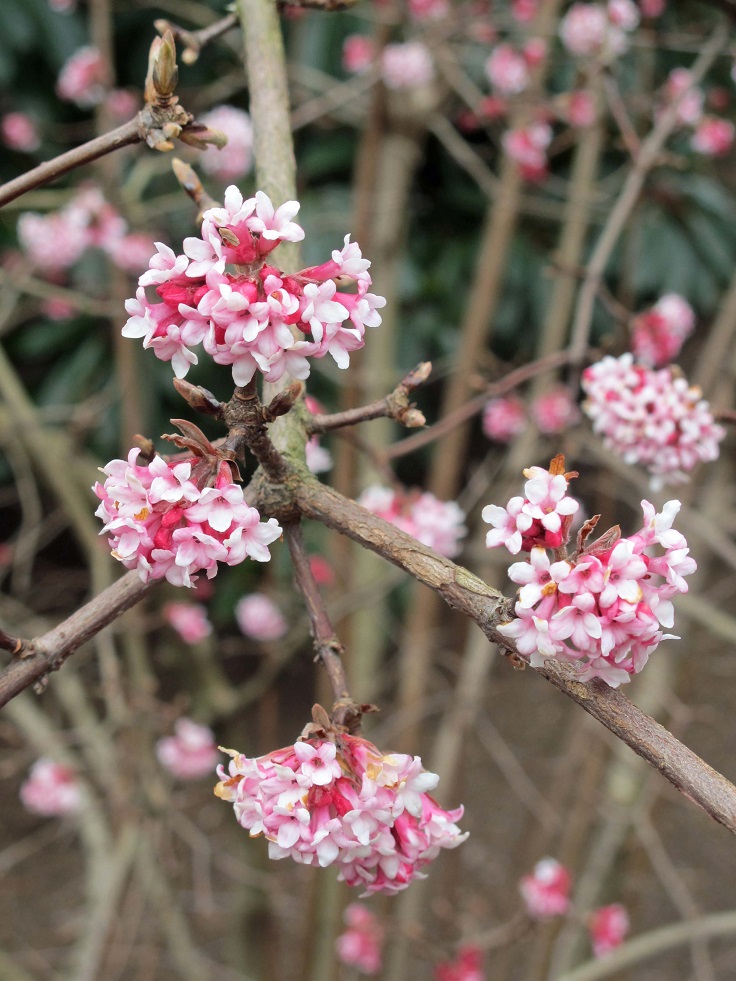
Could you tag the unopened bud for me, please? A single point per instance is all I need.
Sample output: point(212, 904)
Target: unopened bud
point(280, 404)
point(165, 72)
point(413, 419)
point(200, 137)
point(198, 398)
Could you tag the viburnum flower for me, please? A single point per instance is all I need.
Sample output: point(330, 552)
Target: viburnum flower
point(19, 132)
point(358, 52)
point(407, 66)
point(579, 109)
point(713, 137)
point(468, 966)
point(250, 318)
point(555, 411)
point(652, 417)
point(82, 79)
point(658, 334)
point(174, 520)
point(421, 10)
point(333, 798)
point(679, 86)
point(504, 419)
point(546, 891)
point(507, 70)
point(528, 145)
point(189, 620)
point(608, 927)
point(189, 754)
point(51, 790)
point(235, 159)
point(602, 609)
point(524, 10)
point(360, 944)
point(259, 618)
point(591, 29)
point(437, 524)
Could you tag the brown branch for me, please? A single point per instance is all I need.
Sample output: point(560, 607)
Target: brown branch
point(48, 652)
point(194, 41)
point(464, 592)
point(395, 406)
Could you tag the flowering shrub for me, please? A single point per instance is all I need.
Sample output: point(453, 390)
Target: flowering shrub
point(650, 417)
point(333, 798)
point(244, 318)
point(173, 520)
point(601, 609)
point(360, 944)
point(190, 753)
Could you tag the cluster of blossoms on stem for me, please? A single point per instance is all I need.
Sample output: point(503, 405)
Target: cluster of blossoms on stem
point(56, 241)
point(248, 318)
point(235, 159)
point(602, 609)
point(333, 798)
point(608, 927)
point(553, 411)
point(259, 618)
point(51, 790)
point(658, 334)
point(652, 417)
point(360, 944)
point(527, 145)
point(437, 524)
point(19, 132)
point(546, 890)
point(189, 620)
point(592, 29)
point(467, 966)
point(407, 66)
point(174, 520)
point(190, 753)
point(712, 136)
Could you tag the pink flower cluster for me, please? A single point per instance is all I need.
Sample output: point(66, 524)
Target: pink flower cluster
point(358, 52)
point(528, 145)
point(248, 318)
point(360, 945)
point(51, 790)
point(652, 417)
point(712, 136)
point(190, 753)
point(504, 419)
point(467, 966)
point(608, 927)
point(555, 411)
point(546, 890)
point(55, 241)
point(589, 29)
point(165, 521)
point(436, 524)
point(336, 799)
point(407, 66)
point(602, 609)
point(235, 159)
point(259, 618)
point(19, 132)
point(189, 620)
point(83, 78)
point(507, 70)
point(658, 334)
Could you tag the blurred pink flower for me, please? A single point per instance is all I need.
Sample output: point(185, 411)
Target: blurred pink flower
point(190, 753)
point(546, 892)
point(259, 618)
point(82, 78)
point(360, 944)
point(608, 926)
point(235, 159)
point(658, 334)
point(507, 70)
point(713, 137)
point(189, 620)
point(504, 418)
point(122, 104)
point(468, 966)
point(527, 145)
point(19, 132)
point(555, 410)
point(51, 790)
point(407, 66)
point(321, 570)
point(357, 54)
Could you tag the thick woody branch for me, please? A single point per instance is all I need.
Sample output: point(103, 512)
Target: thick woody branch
point(395, 405)
point(47, 653)
point(464, 592)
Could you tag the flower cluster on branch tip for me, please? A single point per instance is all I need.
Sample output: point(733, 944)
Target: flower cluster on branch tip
point(245, 318)
point(174, 520)
point(334, 798)
point(601, 609)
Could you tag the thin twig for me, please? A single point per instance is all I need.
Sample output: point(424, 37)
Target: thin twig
point(194, 41)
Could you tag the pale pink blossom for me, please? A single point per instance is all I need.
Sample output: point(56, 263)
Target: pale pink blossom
point(130, 252)
point(51, 790)
point(467, 966)
point(235, 159)
point(528, 147)
point(421, 10)
point(542, 517)
point(319, 458)
point(608, 927)
point(407, 66)
point(437, 524)
point(580, 109)
point(359, 808)
point(652, 417)
point(190, 753)
point(19, 132)
point(189, 620)
point(358, 52)
point(122, 104)
point(524, 10)
point(546, 891)
point(83, 78)
point(624, 14)
point(507, 70)
point(658, 334)
point(713, 137)
point(588, 29)
point(359, 945)
point(534, 51)
point(504, 419)
point(55, 308)
point(260, 618)
point(679, 86)
point(555, 411)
